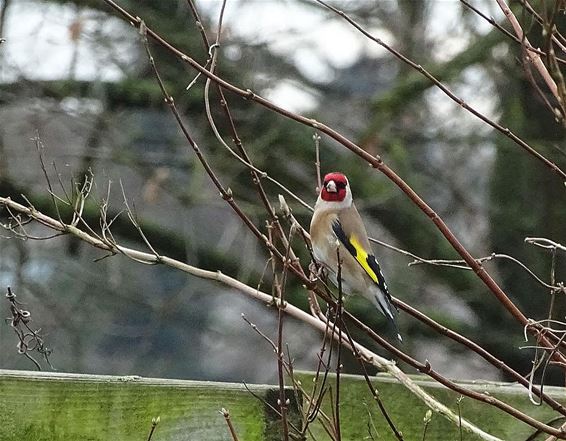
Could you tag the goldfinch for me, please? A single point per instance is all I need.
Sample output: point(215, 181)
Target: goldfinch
point(336, 222)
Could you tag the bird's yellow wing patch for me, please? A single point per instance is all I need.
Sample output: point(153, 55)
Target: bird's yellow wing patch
point(362, 257)
point(365, 260)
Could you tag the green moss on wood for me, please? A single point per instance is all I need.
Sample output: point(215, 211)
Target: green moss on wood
point(57, 407)
point(358, 409)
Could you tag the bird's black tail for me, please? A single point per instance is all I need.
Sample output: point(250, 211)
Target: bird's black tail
point(382, 303)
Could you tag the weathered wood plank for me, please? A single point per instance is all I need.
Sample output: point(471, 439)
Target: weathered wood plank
point(71, 407)
point(56, 407)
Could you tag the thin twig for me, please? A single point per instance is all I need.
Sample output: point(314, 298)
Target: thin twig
point(154, 423)
point(426, 420)
point(228, 420)
point(339, 307)
point(40, 148)
point(459, 403)
point(314, 405)
point(461, 264)
point(375, 393)
point(283, 401)
point(316, 138)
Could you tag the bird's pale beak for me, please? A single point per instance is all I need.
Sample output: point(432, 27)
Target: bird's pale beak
point(331, 187)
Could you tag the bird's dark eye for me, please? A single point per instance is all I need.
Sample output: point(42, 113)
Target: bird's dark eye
point(341, 185)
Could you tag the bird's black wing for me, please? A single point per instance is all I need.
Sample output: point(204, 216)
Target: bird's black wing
point(364, 257)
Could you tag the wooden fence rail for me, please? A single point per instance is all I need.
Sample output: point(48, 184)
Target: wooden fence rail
point(73, 407)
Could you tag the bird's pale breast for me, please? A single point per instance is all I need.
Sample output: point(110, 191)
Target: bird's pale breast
point(325, 244)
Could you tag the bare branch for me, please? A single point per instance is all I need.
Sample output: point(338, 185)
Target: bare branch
point(321, 325)
point(376, 162)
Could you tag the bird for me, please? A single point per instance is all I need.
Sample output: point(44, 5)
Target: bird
point(336, 223)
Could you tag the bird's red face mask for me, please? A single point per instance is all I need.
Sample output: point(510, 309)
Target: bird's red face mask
point(334, 187)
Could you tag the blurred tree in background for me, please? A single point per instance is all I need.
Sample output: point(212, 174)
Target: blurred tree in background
point(79, 77)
